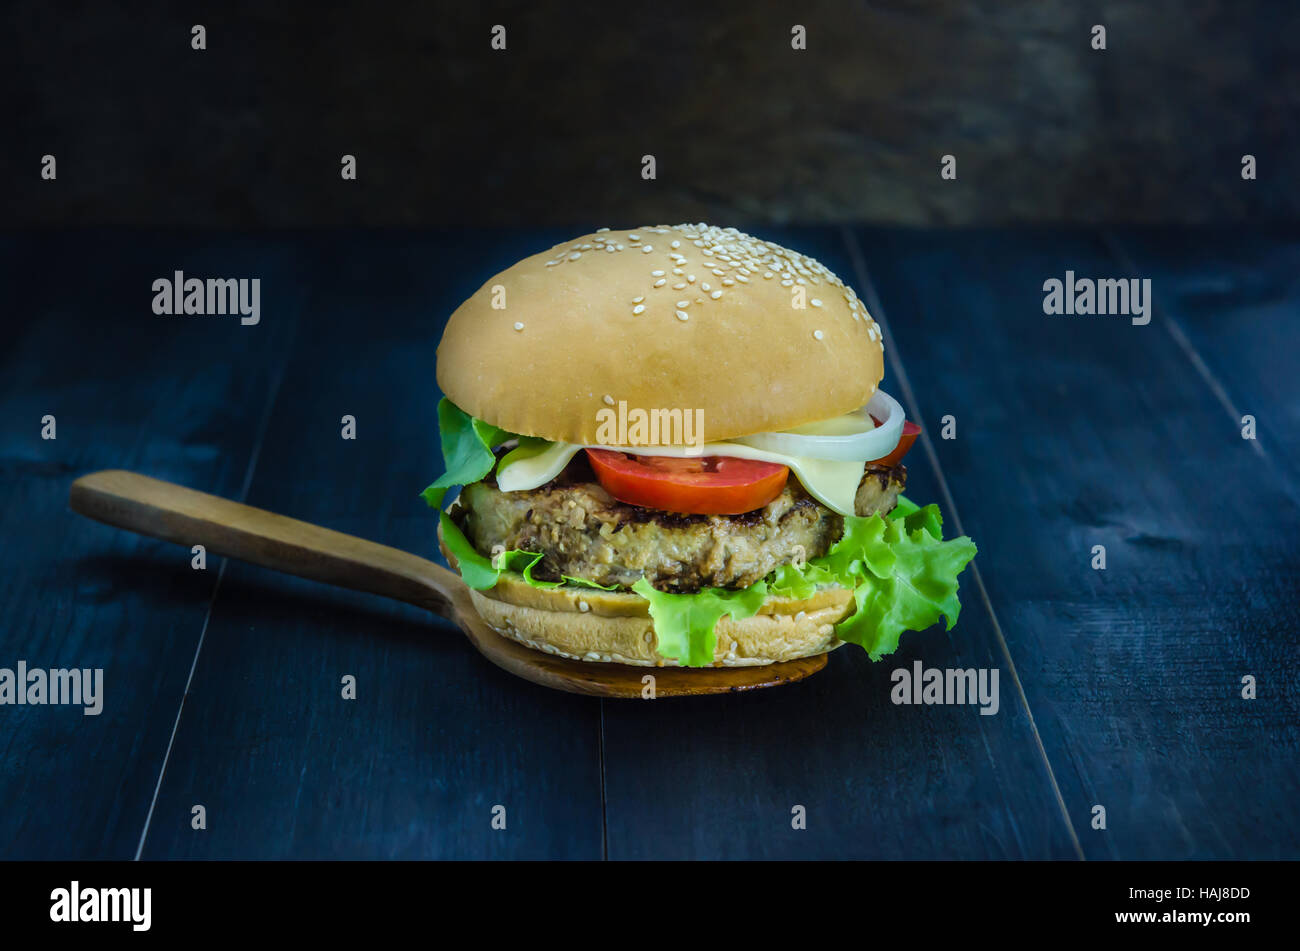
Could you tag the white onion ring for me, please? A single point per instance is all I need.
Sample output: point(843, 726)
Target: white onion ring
point(863, 446)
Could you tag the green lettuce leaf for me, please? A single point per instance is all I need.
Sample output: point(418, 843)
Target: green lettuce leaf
point(903, 508)
point(802, 581)
point(527, 573)
point(790, 581)
point(907, 579)
point(584, 583)
point(902, 573)
point(467, 445)
point(914, 517)
point(684, 622)
point(478, 572)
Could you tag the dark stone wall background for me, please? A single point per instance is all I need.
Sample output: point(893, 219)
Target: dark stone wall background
point(248, 134)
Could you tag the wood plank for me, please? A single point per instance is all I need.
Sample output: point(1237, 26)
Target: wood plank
point(1079, 431)
point(437, 736)
point(1232, 297)
point(719, 777)
point(177, 396)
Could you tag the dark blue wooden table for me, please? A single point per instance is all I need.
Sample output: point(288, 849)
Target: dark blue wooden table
point(1120, 688)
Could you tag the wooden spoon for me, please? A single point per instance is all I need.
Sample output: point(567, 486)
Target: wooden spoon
point(177, 514)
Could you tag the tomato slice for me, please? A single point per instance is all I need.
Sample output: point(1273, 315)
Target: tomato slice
point(701, 485)
point(910, 432)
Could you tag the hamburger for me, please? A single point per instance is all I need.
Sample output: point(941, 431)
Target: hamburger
point(671, 448)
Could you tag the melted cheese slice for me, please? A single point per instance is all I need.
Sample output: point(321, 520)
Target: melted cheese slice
point(829, 481)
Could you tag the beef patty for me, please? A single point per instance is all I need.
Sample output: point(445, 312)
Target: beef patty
point(584, 532)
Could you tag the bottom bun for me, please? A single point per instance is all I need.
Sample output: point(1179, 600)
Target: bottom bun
point(589, 624)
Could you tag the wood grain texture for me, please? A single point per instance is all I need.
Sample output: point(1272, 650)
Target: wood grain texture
point(174, 513)
point(744, 128)
point(437, 736)
point(718, 777)
point(181, 397)
point(1079, 431)
point(1072, 432)
point(1233, 297)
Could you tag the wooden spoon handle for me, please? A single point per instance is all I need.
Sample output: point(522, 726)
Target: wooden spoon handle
point(177, 514)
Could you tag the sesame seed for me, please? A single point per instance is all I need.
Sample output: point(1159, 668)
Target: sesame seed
point(816, 302)
point(609, 400)
point(584, 607)
point(638, 309)
point(682, 315)
point(601, 230)
point(519, 325)
point(817, 334)
point(716, 294)
point(683, 303)
point(647, 248)
point(638, 299)
point(732, 257)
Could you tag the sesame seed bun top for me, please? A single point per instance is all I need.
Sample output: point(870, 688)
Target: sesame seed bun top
point(666, 317)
